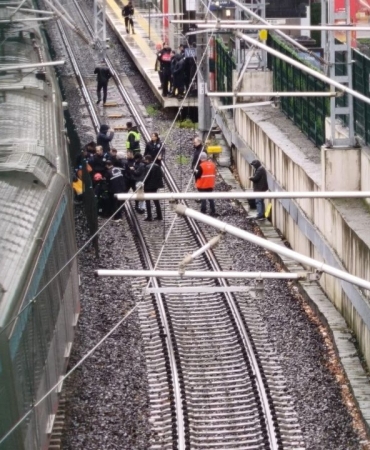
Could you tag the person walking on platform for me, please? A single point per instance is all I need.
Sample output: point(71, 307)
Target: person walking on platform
point(133, 138)
point(128, 14)
point(205, 180)
point(198, 149)
point(153, 182)
point(104, 137)
point(116, 185)
point(155, 149)
point(103, 74)
point(260, 184)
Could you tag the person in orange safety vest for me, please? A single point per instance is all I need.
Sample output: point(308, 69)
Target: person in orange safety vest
point(205, 180)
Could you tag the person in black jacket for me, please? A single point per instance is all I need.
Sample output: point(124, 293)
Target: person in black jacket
point(103, 74)
point(164, 57)
point(98, 161)
point(155, 149)
point(152, 182)
point(178, 69)
point(260, 184)
point(138, 174)
point(116, 185)
point(128, 14)
point(104, 137)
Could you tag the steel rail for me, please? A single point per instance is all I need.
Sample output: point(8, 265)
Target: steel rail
point(233, 308)
point(80, 80)
point(270, 426)
point(175, 377)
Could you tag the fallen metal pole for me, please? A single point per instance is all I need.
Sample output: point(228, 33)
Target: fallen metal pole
point(190, 258)
point(31, 66)
point(199, 274)
point(273, 94)
point(231, 195)
point(305, 68)
point(271, 246)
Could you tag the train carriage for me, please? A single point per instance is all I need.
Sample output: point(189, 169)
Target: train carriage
point(38, 305)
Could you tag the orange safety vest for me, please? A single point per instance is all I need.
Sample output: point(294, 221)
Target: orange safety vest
point(208, 177)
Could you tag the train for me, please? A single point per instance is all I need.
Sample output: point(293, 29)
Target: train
point(39, 283)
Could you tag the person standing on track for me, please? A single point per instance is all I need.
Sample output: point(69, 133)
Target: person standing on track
point(205, 180)
point(104, 137)
point(138, 174)
point(128, 14)
point(116, 185)
point(260, 184)
point(133, 138)
point(154, 148)
point(103, 74)
point(198, 149)
point(153, 182)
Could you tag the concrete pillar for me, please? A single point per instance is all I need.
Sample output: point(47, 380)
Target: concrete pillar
point(341, 169)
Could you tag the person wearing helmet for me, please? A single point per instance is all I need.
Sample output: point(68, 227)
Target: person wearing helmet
point(102, 195)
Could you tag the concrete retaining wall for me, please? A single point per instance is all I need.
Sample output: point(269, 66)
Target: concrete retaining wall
point(327, 230)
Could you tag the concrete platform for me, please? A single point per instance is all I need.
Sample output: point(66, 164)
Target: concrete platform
point(142, 49)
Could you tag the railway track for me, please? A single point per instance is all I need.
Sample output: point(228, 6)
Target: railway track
point(214, 381)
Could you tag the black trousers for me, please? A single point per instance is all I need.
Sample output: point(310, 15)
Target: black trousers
point(129, 22)
point(101, 86)
point(131, 184)
point(115, 203)
point(166, 78)
point(156, 204)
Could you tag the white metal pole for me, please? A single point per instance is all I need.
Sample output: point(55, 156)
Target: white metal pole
point(281, 33)
point(242, 25)
point(189, 258)
point(33, 11)
point(241, 195)
point(273, 94)
point(198, 274)
point(30, 66)
point(306, 69)
point(226, 228)
point(33, 19)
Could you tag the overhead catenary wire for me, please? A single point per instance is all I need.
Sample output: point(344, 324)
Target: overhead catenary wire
point(88, 242)
point(90, 352)
point(62, 379)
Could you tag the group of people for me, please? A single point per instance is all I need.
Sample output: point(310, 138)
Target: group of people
point(205, 179)
point(176, 70)
point(114, 172)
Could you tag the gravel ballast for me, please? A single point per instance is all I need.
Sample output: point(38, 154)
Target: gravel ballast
point(107, 401)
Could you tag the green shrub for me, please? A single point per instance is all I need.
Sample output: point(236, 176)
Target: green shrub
point(187, 123)
point(152, 110)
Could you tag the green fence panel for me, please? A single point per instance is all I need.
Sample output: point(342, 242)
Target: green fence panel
point(309, 113)
point(225, 64)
